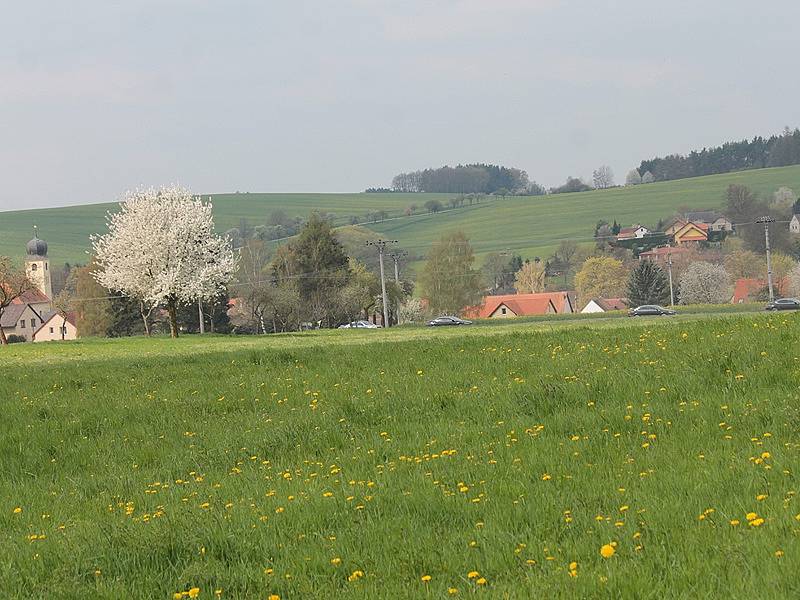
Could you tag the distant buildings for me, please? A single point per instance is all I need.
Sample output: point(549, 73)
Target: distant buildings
point(691, 233)
point(599, 305)
point(26, 315)
point(523, 305)
point(631, 233)
point(661, 255)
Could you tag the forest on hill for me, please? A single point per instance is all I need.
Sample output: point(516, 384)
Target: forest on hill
point(776, 151)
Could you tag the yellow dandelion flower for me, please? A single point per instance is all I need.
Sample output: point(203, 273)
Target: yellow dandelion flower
point(481, 581)
point(425, 578)
point(607, 551)
point(336, 561)
point(750, 516)
point(194, 592)
point(177, 595)
point(17, 510)
point(452, 591)
point(472, 574)
point(761, 497)
point(274, 597)
point(757, 522)
point(734, 522)
point(546, 477)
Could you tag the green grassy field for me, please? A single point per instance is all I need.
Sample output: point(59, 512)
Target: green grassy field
point(531, 226)
point(495, 461)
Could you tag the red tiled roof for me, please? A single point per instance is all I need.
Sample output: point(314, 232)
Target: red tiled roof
point(522, 304)
point(528, 306)
point(745, 288)
point(32, 296)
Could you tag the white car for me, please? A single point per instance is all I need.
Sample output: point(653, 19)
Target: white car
point(359, 325)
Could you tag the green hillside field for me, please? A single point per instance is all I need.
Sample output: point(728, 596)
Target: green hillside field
point(531, 226)
point(612, 458)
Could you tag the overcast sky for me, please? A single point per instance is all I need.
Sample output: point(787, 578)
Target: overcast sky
point(97, 97)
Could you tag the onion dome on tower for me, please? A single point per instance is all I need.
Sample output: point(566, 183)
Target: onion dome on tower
point(37, 247)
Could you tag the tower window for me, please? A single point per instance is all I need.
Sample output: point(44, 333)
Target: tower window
point(34, 266)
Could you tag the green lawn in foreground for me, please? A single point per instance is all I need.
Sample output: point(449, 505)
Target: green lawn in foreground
point(287, 465)
point(531, 226)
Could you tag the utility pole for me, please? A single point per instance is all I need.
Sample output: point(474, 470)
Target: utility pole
point(766, 221)
point(200, 314)
point(671, 293)
point(396, 256)
point(381, 245)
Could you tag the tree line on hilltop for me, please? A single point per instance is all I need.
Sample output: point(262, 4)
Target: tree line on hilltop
point(466, 179)
point(758, 153)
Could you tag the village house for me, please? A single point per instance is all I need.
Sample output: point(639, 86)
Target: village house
point(523, 305)
point(20, 319)
point(631, 233)
point(24, 316)
point(691, 233)
point(674, 226)
point(748, 290)
point(794, 224)
point(661, 255)
point(600, 305)
point(55, 327)
point(714, 220)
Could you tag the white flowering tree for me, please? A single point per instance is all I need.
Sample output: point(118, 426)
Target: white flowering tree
point(705, 283)
point(161, 249)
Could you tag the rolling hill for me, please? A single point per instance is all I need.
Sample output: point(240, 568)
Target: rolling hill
point(531, 226)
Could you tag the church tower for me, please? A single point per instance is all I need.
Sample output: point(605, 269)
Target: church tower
point(37, 265)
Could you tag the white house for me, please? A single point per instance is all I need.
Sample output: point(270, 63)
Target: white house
point(635, 232)
point(54, 327)
point(794, 224)
point(20, 319)
point(599, 305)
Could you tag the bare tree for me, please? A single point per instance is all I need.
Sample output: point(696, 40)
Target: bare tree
point(63, 304)
point(603, 177)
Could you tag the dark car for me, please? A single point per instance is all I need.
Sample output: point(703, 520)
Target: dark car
point(784, 304)
point(440, 321)
point(650, 310)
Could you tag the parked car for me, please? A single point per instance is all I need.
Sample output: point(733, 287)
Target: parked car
point(784, 304)
point(447, 320)
point(650, 310)
point(361, 324)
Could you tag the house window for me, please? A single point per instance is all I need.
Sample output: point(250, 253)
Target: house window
point(33, 323)
point(51, 330)
point(34, 266)
point(22, 324)
point(503, 310)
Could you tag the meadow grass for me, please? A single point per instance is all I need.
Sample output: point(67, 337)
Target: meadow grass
point(531, 226)
point(495, 460)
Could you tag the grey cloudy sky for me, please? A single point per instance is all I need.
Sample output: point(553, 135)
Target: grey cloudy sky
point(97, 97)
